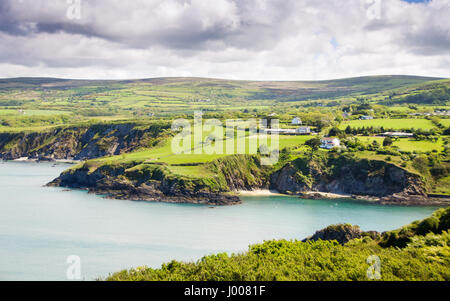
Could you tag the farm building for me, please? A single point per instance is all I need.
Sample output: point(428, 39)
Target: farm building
point(330, 143)
point(398, 134)
point(303, 130)
point(366, 118)
point(296, 121)
point(346, 115)
point(280, 131)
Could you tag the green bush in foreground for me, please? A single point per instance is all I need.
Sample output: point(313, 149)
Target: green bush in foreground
point(424, 257)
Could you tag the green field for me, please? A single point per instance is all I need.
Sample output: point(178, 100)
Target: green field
point(31, 112)
point(370, 140)
point(419, 146)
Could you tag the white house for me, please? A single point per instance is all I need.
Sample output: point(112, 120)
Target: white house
point(303, 130)
point(366, 118)
point(330, 143)
point(296, 121)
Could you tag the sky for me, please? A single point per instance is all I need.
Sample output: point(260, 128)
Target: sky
point(233, 39)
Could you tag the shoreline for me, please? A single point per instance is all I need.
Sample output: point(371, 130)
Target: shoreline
point(325, 195)
point(27, 159)
point(143, 194)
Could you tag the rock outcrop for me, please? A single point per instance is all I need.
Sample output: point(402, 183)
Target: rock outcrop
point(342, 233)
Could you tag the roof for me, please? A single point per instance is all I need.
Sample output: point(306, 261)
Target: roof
point(398, 133)
point(329, 139)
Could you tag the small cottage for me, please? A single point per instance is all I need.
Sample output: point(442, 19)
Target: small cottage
point(296, 121)
point(329, 143)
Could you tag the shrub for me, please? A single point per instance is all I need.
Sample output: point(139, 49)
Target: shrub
point(388, 141)
point(428, 225)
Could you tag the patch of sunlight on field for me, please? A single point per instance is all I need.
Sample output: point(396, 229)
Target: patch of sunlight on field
point(190, 171)
point(374, 156)
point(411, 145)
point(370, 140)
point(7, 129)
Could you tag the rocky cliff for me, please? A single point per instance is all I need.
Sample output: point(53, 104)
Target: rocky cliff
point(348, 175)
point(80, 142)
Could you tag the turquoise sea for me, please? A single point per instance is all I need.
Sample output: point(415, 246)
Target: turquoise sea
point(40, 226)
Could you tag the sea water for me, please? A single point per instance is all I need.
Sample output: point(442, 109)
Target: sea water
point(41, 227)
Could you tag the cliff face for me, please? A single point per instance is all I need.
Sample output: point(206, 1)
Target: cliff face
point(241, 172)
point(79, 143)
point(346, 175)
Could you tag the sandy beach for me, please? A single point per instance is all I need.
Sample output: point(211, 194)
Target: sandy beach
point(23, 159)
point(259, 192)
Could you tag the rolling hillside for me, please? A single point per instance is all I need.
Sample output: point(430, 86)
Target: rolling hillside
point(49, 101)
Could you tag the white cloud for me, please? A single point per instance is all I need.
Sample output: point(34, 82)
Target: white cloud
point(255, 39)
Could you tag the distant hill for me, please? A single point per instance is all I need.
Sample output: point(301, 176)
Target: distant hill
point(184, 95)
point(281, 90)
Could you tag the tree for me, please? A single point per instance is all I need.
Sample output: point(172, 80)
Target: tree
point(447, 131)
point(375, 145)
point(314, 143)
point(335, 131)
point(348, 130)
point(387, 141)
